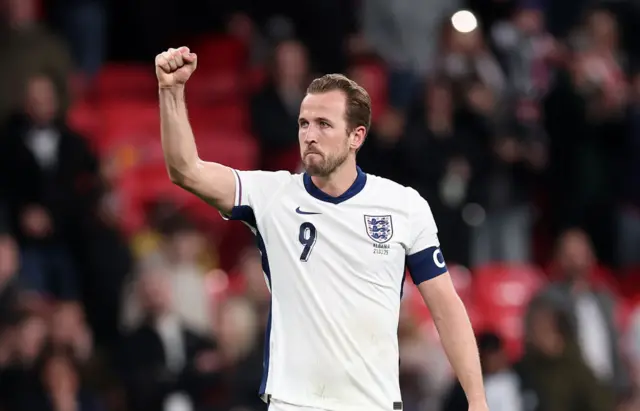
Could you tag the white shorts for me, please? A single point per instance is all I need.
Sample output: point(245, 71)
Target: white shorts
point(275, 405)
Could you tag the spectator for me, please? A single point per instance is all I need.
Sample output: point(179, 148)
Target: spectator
point(528, 53)
point(243, 28)
point(241, 350)
point(21, 374)
point(424, 370)
point(274, 110)
point(29, 49)
point(162, 362)
point(60, 387)
point(178, 259)
point(506, 166)
point(47, 171)
point(8, 271)
point(70, 334)
point(526, 49)
point(466, 58)
point(446, 151)
point(553, 374)
point(249, 282)
point(600, 65)
point(406, 35)
point(633, 348)
point(628, 226)
point(502, 383)
point(584, 110)
point(590, 310)
point(105, 260)
point(383, 153)
point(83, 24)
point(8, 250)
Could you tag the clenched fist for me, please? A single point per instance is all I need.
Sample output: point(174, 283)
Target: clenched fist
point(175, 66)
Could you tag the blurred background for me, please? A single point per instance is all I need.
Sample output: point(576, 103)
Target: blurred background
point(518, 120)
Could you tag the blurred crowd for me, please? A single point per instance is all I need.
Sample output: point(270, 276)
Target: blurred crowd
point(522, 132)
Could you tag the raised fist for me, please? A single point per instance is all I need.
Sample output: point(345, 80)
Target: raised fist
point(175, 66)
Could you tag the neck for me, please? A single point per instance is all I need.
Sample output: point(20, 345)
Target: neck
point(580, 285)
point(338, 182)
point(160, 315)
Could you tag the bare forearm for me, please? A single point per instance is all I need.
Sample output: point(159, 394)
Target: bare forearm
point(460, 346)
point(212, 182)
point(178, 143)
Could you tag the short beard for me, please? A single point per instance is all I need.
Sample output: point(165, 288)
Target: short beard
point(327, 166)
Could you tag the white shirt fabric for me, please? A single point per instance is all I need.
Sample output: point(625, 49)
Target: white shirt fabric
point(593, 337)
point(169, 330)
point(335, 268)
point(503, 392)
point(44, 144)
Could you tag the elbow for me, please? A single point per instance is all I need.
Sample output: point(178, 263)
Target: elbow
point(183, 177)
point(176, 178)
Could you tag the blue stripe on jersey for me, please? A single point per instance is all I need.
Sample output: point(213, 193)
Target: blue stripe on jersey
point(355, 188)
point(426, 264)
point(266, 352)
point(404, 276)
point(246, 215)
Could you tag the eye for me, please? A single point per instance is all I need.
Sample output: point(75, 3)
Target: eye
point(324, 124)
point(303, 123)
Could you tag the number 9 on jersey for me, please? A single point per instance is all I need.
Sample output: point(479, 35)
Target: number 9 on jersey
point(307, 237)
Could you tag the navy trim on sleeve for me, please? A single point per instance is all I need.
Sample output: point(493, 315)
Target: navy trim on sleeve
point(426, 264)
point(244, 214)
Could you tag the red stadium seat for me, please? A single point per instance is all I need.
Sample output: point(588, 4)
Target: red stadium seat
point(502, 292)
point(373, 77)
point(215, 52)
point(256, 78)
point(222, 64)
point(130, 132)
point(219, 85)
point(463, 284)
point(235, 149)
point(121, 81)
point(142, 185)
point(220, 116)
point(84, 118)
point(630, 283)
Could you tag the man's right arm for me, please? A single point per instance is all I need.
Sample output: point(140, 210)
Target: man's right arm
point(213, 182)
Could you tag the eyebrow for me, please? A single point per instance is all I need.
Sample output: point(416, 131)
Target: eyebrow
point(317, 119)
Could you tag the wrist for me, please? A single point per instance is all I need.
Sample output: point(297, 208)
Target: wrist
point(171, 89)
point(477, 401)
point(172, 94)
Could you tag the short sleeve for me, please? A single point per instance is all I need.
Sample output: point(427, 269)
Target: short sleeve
point(424, 257)
point(254, 191)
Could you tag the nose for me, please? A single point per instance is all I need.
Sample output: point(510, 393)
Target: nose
point(309, 135)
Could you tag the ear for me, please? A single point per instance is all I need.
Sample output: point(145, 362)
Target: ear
point(358, 136)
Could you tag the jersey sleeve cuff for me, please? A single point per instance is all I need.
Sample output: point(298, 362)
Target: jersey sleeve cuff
point(426, 264)
point(237, 201)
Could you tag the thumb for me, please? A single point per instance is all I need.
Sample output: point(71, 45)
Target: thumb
point(189, 57)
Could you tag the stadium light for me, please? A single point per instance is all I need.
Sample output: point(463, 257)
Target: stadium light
point(464, 21)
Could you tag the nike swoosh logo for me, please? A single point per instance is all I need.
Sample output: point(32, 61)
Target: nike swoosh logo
point(305, 212)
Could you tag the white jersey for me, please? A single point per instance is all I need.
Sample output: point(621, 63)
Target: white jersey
point(335, 267)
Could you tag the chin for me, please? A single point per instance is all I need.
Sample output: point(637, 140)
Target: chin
point(314, 168)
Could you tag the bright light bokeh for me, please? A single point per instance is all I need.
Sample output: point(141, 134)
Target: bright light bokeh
point(464, 21)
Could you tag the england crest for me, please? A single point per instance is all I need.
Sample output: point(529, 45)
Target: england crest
point(379, 227)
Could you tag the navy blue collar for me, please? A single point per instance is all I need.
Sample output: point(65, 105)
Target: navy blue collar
point(355, 188)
